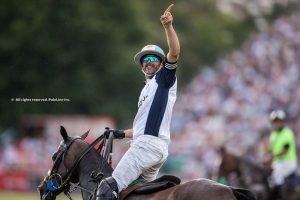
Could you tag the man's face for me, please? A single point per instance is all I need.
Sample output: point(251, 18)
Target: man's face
point(277, 124)
point(150, 64)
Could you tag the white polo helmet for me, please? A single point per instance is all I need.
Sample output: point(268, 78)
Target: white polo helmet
point(277, 114)
point(150, 49)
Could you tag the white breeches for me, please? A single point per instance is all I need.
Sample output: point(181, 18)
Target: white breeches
point(144, 158)
point(282, 169)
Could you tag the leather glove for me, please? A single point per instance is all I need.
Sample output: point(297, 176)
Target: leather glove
point(119, 134)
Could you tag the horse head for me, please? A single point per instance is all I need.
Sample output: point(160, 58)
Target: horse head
point(63, 170)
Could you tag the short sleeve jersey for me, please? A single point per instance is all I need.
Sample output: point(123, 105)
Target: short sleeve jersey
point(156, 103)
point(279, 140)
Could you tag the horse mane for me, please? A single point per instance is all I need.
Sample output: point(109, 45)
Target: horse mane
point(94, 156)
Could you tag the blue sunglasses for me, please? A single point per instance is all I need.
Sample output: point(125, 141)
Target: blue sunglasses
point(151, 59)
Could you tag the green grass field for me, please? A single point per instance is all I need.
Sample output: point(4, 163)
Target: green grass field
point(31, 196)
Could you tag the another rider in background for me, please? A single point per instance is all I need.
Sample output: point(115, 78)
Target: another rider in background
point(283, 148)
point(151, 126)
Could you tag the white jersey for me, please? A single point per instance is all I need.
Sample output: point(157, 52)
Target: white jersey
point(156, 103)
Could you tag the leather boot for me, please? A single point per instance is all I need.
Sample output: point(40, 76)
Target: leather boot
point(108, 189)
point(278, 192)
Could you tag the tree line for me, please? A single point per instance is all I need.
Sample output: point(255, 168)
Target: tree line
point(83, 51)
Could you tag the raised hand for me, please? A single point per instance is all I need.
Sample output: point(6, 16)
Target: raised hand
point(167, 19)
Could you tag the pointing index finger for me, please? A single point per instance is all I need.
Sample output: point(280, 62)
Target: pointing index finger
point(169, 8)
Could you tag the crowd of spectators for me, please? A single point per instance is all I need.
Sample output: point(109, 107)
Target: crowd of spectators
point(24, 162)
point(229, 103)
point(224, 105)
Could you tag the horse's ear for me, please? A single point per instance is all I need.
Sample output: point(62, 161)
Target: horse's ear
point(64, 133)
point(85, 134)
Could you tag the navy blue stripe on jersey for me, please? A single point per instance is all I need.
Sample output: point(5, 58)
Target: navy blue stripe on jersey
point(157, 111)
point(166, 77)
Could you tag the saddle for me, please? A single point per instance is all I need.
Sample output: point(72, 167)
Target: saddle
point(159, 184)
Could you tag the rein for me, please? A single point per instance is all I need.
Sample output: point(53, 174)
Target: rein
point(57, 184)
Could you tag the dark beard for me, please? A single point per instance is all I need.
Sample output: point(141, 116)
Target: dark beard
point(150, 64)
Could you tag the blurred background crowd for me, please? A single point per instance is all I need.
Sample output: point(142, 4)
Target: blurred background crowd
point(224, 102)
point(229, 104)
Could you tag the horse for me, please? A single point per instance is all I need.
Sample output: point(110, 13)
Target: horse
point(73, 162)
point(251, 175)
point(229, 172)
point(77, 163)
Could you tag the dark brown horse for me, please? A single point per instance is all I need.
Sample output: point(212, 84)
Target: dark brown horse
point(76, 160)
point(229, 172)
point(245, 173)
point(73, 163)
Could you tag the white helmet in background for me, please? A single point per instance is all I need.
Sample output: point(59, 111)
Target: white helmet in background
point(277, 114)
point(150, 49)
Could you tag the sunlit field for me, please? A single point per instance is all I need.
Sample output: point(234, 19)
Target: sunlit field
point(31, 196)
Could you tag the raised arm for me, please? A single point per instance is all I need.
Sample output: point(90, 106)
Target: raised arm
point(172, 39)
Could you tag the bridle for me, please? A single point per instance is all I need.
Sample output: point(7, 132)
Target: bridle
point(57, 183)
